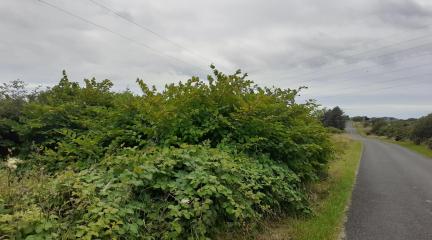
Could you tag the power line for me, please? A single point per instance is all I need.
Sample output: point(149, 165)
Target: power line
point(305, 60)
point(115, 12)
point(373, 74)
point(387, 81)
point(383, 88)
point(384, 81)
point(360, 53)
point(155, 51)
point(398, 85)
point(394, 44)
point(374, 57)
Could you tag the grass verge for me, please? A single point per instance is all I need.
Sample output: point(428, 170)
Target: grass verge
point(421, 149)
point(331, 199)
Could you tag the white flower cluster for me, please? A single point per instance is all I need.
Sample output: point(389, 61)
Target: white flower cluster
point(12, 163)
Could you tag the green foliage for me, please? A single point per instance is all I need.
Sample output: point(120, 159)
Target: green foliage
point(359, 118)
point(334, 130)
point(157, 193)
point(181, 163)
point(394, 128)
point(334, 118)
point(429, 143)
point(378, 125)
point(422, 129)
point(13, 96)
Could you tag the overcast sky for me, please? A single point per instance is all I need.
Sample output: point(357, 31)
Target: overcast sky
point(369, 57)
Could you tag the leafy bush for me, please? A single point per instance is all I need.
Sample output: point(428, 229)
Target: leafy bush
point(417, 130)
point(181, 163)
point(227, 109)
point(158, 193)
point(429, 143)
point(393, 128)
point(13, 97)
point(422, 129)
point(335, 130)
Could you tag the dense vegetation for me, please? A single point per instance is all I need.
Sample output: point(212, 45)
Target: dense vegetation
point(181, 163)
point(334, 118)
point(417, 130)
point(329, 204)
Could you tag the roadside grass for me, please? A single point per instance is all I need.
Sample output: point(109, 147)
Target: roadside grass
point(330, 199)
point(421, 148)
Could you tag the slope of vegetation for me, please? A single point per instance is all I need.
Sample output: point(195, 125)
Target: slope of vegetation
point(186, 162)
point(330, 203)
point(414, 134)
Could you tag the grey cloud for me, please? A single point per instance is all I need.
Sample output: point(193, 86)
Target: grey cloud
point(280, 43)
point(409, 14)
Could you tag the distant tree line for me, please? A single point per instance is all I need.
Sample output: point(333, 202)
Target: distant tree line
point(417, 130)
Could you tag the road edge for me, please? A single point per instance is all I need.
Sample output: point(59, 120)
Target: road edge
point(342, 234)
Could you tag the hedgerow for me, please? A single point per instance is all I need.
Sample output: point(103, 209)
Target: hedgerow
point(417, 130)
point(182, 163)
point(159, 193)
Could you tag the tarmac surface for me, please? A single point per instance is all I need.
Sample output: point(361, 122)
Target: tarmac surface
point(392, 198)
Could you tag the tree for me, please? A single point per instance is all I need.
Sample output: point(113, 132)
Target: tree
point(13, 96)
point(334, 118)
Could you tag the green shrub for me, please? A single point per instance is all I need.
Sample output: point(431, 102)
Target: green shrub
point(422, 129)
point(70, 129)
point(13, 97)
point(429, 143)
point(159, 193)
point(334, 130)
point(180, 163)
point(393, 128)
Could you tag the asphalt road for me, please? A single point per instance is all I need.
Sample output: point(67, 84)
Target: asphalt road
point(392, 198)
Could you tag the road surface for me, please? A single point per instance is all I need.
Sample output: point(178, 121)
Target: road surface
point(392, 198)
